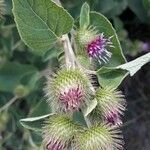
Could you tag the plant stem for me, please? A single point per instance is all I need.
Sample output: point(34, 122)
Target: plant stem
point(71, 61)
point(69, 54)
point(8, 104)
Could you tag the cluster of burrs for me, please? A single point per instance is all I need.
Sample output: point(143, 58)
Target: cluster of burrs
point(69, 91)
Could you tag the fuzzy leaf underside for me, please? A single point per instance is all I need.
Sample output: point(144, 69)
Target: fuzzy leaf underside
point(133, 66)
point(114, 76)
point(34, 123)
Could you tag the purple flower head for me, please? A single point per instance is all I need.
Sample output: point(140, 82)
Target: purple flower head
point(68, 90)
point(55, 145)
point(113, 118)
point(58, 132)
point(97, 49)
point(111, 105)
point(72, 98)
point(146, 47)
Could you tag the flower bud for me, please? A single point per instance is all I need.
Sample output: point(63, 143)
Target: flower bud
point(111, 105)
point(95, 45)
point(68, 90)
point(21, 91)
point(99, 137)
point(58, 132)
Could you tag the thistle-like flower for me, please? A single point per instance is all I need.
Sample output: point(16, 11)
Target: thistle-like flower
point(68, 90)
point(99, 137)
point(111, 105)
point(95, 44)
point(58, 132)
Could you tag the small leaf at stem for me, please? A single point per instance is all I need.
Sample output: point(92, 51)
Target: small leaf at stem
point(111, 76)
point(84, 16)
point(90, 107)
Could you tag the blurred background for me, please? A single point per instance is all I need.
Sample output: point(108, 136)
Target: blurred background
point(21, 71)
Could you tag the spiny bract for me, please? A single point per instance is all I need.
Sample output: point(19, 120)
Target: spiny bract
point(58, 132)
point(68, 90)
point(94, 44)
point(100, 137)
point(111, 105)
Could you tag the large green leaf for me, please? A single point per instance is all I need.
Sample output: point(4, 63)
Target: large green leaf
point(133, 66)
point(146, 4)
point(11, 74)
point(138, 7)
point(114, 76)
point(40, 23)
point(104, 26)
point(111, 76)
point(111, 8)
point(37, 109)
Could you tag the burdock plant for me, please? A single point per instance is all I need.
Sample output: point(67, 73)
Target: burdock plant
point(95, 44)
point(68, 90)
point(87, 108)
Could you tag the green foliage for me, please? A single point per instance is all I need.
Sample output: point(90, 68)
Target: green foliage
point(138, 7)
point(111, 76)
point(111, 8)
point(45, 23)
point(12, 73)
point(84, 16)
point(34, 123)
point(41, 26)
point(146, 4)
point(135, 65)
point(114, 76)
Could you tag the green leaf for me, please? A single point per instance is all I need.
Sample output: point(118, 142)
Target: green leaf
point(37, 109)
point(111, 76)
point(34, 123)
point(114, 76)
point(11, 74)
point(133, 66)
point(137, 7)
point(90, 107)
point(40, 23)
point(111, 8)
point(104, 26)
point(146, 4)
point(84, 16)
point(79, 118)
point(52, 53)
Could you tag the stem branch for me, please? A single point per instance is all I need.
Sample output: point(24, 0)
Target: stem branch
point(8, 104)
point(71, 61)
